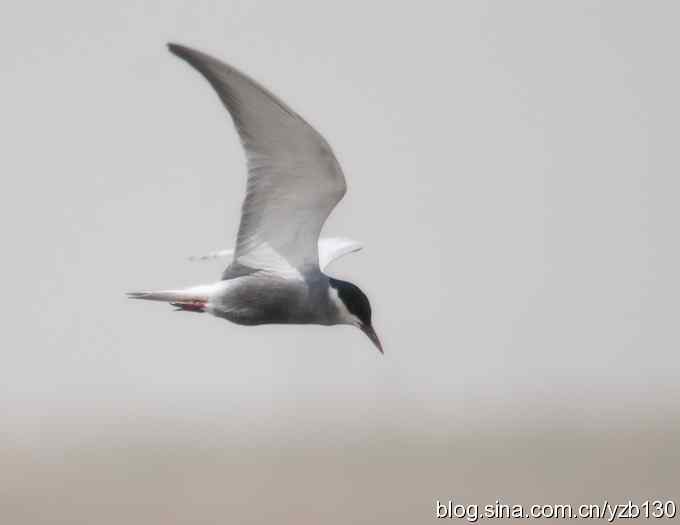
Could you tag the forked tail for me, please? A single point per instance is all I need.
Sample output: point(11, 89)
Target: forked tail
point(190, 299)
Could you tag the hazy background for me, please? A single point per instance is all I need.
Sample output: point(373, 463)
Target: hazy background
point(513, 173)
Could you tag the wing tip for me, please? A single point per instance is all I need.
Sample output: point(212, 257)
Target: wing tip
point(179, 50)
point(182, 51)
point(204, 63)
point(175, 48)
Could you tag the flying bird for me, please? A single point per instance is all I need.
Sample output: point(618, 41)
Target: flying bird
point(294, 182)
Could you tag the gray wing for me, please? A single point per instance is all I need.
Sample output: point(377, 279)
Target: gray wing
point(294, 180)
point(330, 249)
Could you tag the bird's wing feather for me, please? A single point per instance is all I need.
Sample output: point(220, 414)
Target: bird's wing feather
point(330, 249)
point(217, 254)
point(294, 179)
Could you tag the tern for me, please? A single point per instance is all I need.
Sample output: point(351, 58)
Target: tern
point(294, 182)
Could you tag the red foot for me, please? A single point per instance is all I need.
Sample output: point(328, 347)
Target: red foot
point(190, 306)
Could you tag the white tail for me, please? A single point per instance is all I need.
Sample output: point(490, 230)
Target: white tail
point(167, 296)
point(196, 298)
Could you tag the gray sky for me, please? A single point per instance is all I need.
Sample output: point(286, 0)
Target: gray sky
point(512, 171)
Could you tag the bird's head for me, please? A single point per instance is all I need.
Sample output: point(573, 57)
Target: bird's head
point(353, 308)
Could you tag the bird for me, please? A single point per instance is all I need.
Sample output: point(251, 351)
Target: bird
point(294, 181)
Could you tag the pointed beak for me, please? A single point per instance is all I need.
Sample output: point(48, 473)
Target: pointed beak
point(368, 330)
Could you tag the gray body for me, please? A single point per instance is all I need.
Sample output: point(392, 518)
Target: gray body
point(260, 297)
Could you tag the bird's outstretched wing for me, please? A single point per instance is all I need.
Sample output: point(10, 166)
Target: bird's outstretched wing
point(330, 249)
point(294, 179)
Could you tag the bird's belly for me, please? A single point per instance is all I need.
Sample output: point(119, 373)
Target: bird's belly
point(267, 314)
point(254, 303)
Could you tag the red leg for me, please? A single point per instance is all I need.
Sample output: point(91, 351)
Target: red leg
point(190, 306)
